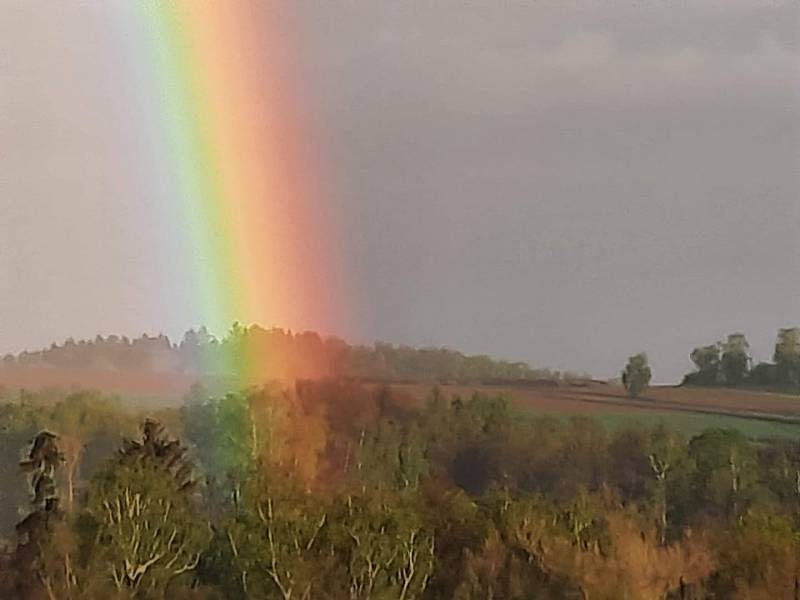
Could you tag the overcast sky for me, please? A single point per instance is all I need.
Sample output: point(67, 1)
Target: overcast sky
point(562, 183)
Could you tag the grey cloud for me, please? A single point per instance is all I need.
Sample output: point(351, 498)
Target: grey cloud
point(566, 183)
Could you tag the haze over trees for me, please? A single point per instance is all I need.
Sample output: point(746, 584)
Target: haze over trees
point(282, 355)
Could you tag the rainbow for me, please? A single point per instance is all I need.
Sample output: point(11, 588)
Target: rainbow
point(244, 166)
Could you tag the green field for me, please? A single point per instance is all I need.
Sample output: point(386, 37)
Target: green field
point(692, 424)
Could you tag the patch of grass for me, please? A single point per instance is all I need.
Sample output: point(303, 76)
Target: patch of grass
point(694, 424)
point(782, 390)
point(688, 424)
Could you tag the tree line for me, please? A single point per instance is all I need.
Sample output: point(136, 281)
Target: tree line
point(335, 489)
point(282, 355)
point(729, 363)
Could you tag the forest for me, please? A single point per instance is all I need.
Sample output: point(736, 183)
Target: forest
point(335, 489)
point(284, 354)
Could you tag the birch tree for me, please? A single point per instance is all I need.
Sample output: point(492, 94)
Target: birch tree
point(148, 533)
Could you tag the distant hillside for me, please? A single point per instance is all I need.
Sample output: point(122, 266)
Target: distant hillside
point(154, 364)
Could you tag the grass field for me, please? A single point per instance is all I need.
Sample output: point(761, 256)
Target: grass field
point(690, 410)
point(692, 424)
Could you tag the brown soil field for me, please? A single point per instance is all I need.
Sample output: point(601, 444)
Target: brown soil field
point(111, 382)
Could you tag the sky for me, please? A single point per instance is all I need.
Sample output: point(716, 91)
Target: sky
point(562, 183)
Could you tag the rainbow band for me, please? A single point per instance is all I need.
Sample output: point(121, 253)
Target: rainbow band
point(224, 84)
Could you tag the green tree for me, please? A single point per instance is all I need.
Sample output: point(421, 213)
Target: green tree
point(77, 418)
point(272, 541)
point(735, 359)
point(223, 432)
point(45, 553)
point(636, 375)
point(726, 472)
point(667, 456)
point(413, 465)
point(19, 422)
point(707, 361)
point(387, 548)
point(389, 456)
point(148, 534)
point(787, 356)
